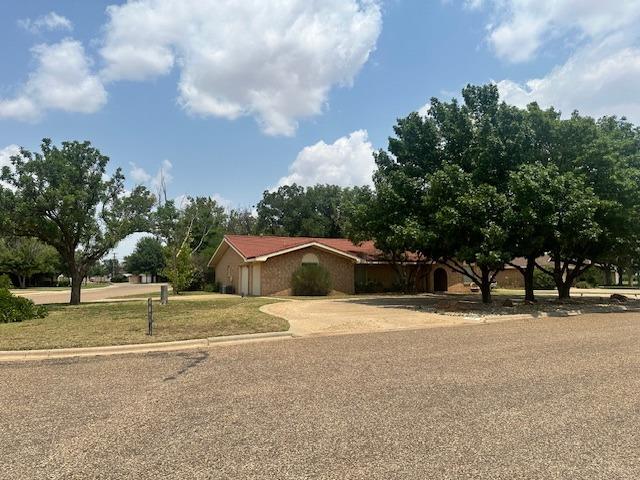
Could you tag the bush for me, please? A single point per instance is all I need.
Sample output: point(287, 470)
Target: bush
point(119, 279)
point(311, 280)
point(542, 281)
point(212, 287)
point(5, 282)
point(370, 286)
point(64, 282)
point(17, 309)
point(583, 284)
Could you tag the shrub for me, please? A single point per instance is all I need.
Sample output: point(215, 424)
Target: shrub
point(17, 309)
point(5, 282)
point(583, 284)
point(119, 279)
point(311, 279)
point(64, 282)
point(542, 281)
point(370, 286)
point(212, 287)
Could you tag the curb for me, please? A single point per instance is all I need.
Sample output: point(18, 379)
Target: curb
point(30, 355)
point(552, 314)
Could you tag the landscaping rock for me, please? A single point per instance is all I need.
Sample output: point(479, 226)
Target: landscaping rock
point(618, 297)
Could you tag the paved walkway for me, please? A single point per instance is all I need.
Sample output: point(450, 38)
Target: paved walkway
point(90, 294)
point(357, 315)
point(541, 399)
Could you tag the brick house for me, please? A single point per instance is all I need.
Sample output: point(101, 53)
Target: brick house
point(263, 265)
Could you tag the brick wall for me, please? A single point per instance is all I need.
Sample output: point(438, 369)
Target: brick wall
point(277, 271)
point(510, 278)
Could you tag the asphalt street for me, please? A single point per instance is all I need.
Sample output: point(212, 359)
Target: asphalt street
point(554, 398)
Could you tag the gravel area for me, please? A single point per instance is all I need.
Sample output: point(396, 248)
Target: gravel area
point(552, 398)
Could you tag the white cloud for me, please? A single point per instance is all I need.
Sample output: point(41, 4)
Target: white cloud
point(347, 161)
point(276, 63)
point(161, 179)
point(50, 21)
point(6, 153)
point(62, 80)
point(5, 159)
point(138, 174)
point(521, 27)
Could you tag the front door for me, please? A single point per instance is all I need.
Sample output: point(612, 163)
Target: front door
point(440, 283)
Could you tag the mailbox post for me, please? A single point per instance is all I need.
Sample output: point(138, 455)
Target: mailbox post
point(164, 294)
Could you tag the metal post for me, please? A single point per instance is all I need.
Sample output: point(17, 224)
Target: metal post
point(164, 294)
point(149, 316)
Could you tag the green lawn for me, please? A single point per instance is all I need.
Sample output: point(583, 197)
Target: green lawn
point(118, 323)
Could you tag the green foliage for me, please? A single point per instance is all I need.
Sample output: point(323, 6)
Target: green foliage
point(148, 257)
point(5, 282)
point(63, 197)
point(191, 233)
point(179, 270)
point(17, 309)
point(369, 286)
point(583, 284)
point(119, 278)
point(63, 282)
point(312, 280)
point(542, 281)
point(25, 257)
point(317, 211)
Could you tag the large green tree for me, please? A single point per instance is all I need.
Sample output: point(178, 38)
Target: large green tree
point(316, 211)
point(147, 257)
point(64, 197)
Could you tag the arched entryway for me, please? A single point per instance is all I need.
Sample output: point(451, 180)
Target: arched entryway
point(440, 283)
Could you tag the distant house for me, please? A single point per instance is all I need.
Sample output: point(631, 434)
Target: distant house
point(140, 278)
point(263, 265)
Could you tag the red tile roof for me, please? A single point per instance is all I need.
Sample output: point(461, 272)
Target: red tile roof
point(251, 246)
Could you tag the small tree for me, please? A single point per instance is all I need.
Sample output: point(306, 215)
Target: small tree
point(63, 197)
point(179, 270)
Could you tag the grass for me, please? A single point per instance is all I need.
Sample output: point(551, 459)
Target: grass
point(120, 323)
point(156, 294)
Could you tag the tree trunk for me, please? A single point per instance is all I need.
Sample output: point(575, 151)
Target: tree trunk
point(620, 275)
point(485, 286)
point(607, 275)
point(22, 280)
point(564, 289)
point(529, 294)
point(76, 286)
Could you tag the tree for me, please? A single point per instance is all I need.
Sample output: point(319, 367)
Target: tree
point(63, 197)
point(441, 186)
point(241, 222)
point(293, 210)
point(188, 236)
point(148, 257)
point(25, 257)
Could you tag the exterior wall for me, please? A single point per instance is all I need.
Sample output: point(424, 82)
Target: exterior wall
point(384, 275)
point(276, 272)
point(229, 265)
point(455, 280)
point(510, 278)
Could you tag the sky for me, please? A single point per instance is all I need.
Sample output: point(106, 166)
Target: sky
point(231, 98)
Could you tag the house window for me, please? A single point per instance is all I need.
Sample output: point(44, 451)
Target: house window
point(310, 259)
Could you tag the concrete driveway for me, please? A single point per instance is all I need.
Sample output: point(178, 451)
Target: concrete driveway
point(540, 399)
point(90, 294)
point(357, 315)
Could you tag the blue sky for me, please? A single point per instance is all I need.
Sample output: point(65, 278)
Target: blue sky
point(236, 99)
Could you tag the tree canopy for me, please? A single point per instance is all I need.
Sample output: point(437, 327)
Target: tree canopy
point(64, 197)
